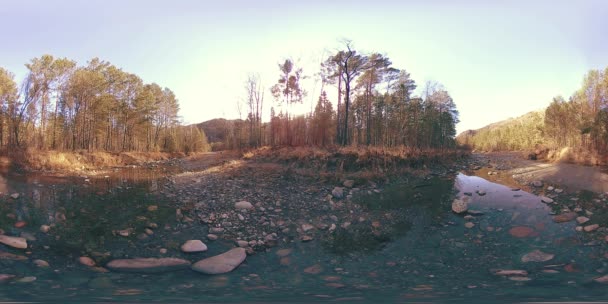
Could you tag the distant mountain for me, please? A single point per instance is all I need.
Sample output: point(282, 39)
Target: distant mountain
point(521, 133)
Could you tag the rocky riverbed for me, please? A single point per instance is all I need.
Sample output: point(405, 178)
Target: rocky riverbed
point(223, 228)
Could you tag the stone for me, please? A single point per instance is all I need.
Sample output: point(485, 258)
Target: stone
point(510, 272)
point(284, 252)
point(223, 263)
point(557, 190)
point(41, 263)
point(86, 261)
point(349, 183)
point(243, 205)
point(314, 269)
point(212, 237)
point(306, 238)
point(537, 256)
point(15, 195)
point(193, 246)
point(27, 279)
point(550, 188)
point(591, 228)
point(20, 224)
point(582, 219)
point(521, 231)
point(45, 228)
point(338, 192)
point(481, 192)
point(216, 230)
point(11, 256)
point(602, 279)
point(6, 277)
point(148, 265)
point(12, 241)
point(469, 225)
point(564, 217)
point(459, 206)
point(152, 208)
point(546, 200)
point(537, 184)
point(163, 251)
point(307, 227)
point(242, 244)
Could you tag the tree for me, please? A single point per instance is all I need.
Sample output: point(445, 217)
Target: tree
point(8, 98)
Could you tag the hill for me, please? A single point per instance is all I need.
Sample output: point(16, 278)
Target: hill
point(525, 132)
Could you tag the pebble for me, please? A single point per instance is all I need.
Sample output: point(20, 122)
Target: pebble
point(537, 256)
point(212, 237)
point(242, 243)
point(582, 219)
point(41, 263)
point(546, 200)
point(243, 205)
point(591, 228)
point(86, 261)
point(15, 195)
point(45, 228)
point(469, 225)
point(193, 246)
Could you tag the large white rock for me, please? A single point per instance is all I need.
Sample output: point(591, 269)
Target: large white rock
point(223, 263)
point(148, 265)
point(194, 246)
point(13, 241)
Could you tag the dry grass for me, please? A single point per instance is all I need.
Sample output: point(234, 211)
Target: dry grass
point(63, 161)
point(366, 163)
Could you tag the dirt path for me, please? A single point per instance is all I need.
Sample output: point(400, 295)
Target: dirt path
point(569, 176)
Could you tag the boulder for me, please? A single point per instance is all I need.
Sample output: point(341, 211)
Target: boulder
point(148, 265)
point(223, 263)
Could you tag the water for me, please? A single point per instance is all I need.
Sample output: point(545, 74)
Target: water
point(426, 253)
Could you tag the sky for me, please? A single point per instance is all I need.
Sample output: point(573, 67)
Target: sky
point(497, 59)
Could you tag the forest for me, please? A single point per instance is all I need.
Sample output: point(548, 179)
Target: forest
point(376, 106)
point(97, 107)
point(577, 126)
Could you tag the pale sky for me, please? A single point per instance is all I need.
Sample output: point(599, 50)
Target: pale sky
point(496, 60)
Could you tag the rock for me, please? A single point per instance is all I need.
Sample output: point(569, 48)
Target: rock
point(163, 251)
point(11, 256)
point(15, 242)
point(242, 244)
point(307, 227)
point(148, 231)
point(521, 231)
point(550, 188)
point(243, 205)
point(20, 224)
point(349, 183)
point(468, 217)
point(45, 228)
point(41, 263)
point(284, 252)
point(15, 195)
point(582, 219)
point(223, 263)
point(537, 256)
point(148, 265)
point(546, 200)
point(474, 212)
point(579, 228)
point(216, 230)
point(26, 279)
point(469, 225)
point(338, 192)
point(86, 261)
point(510, 272)
point(152, 208)
point(306, 238)
point(212, 237)
point(481, 192)
point(314, 269)
point(591, 227)
point(459, 206)
point(194, 246)
point(564, 217)
point(6, 277)
point(557, 190)
point(602, 279)
point(537, 184)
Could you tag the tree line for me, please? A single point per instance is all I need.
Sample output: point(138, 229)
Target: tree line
point(580, 123)
point(376, 106)
point(62, 106)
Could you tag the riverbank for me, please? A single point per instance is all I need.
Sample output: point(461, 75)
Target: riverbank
point(77, 162)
